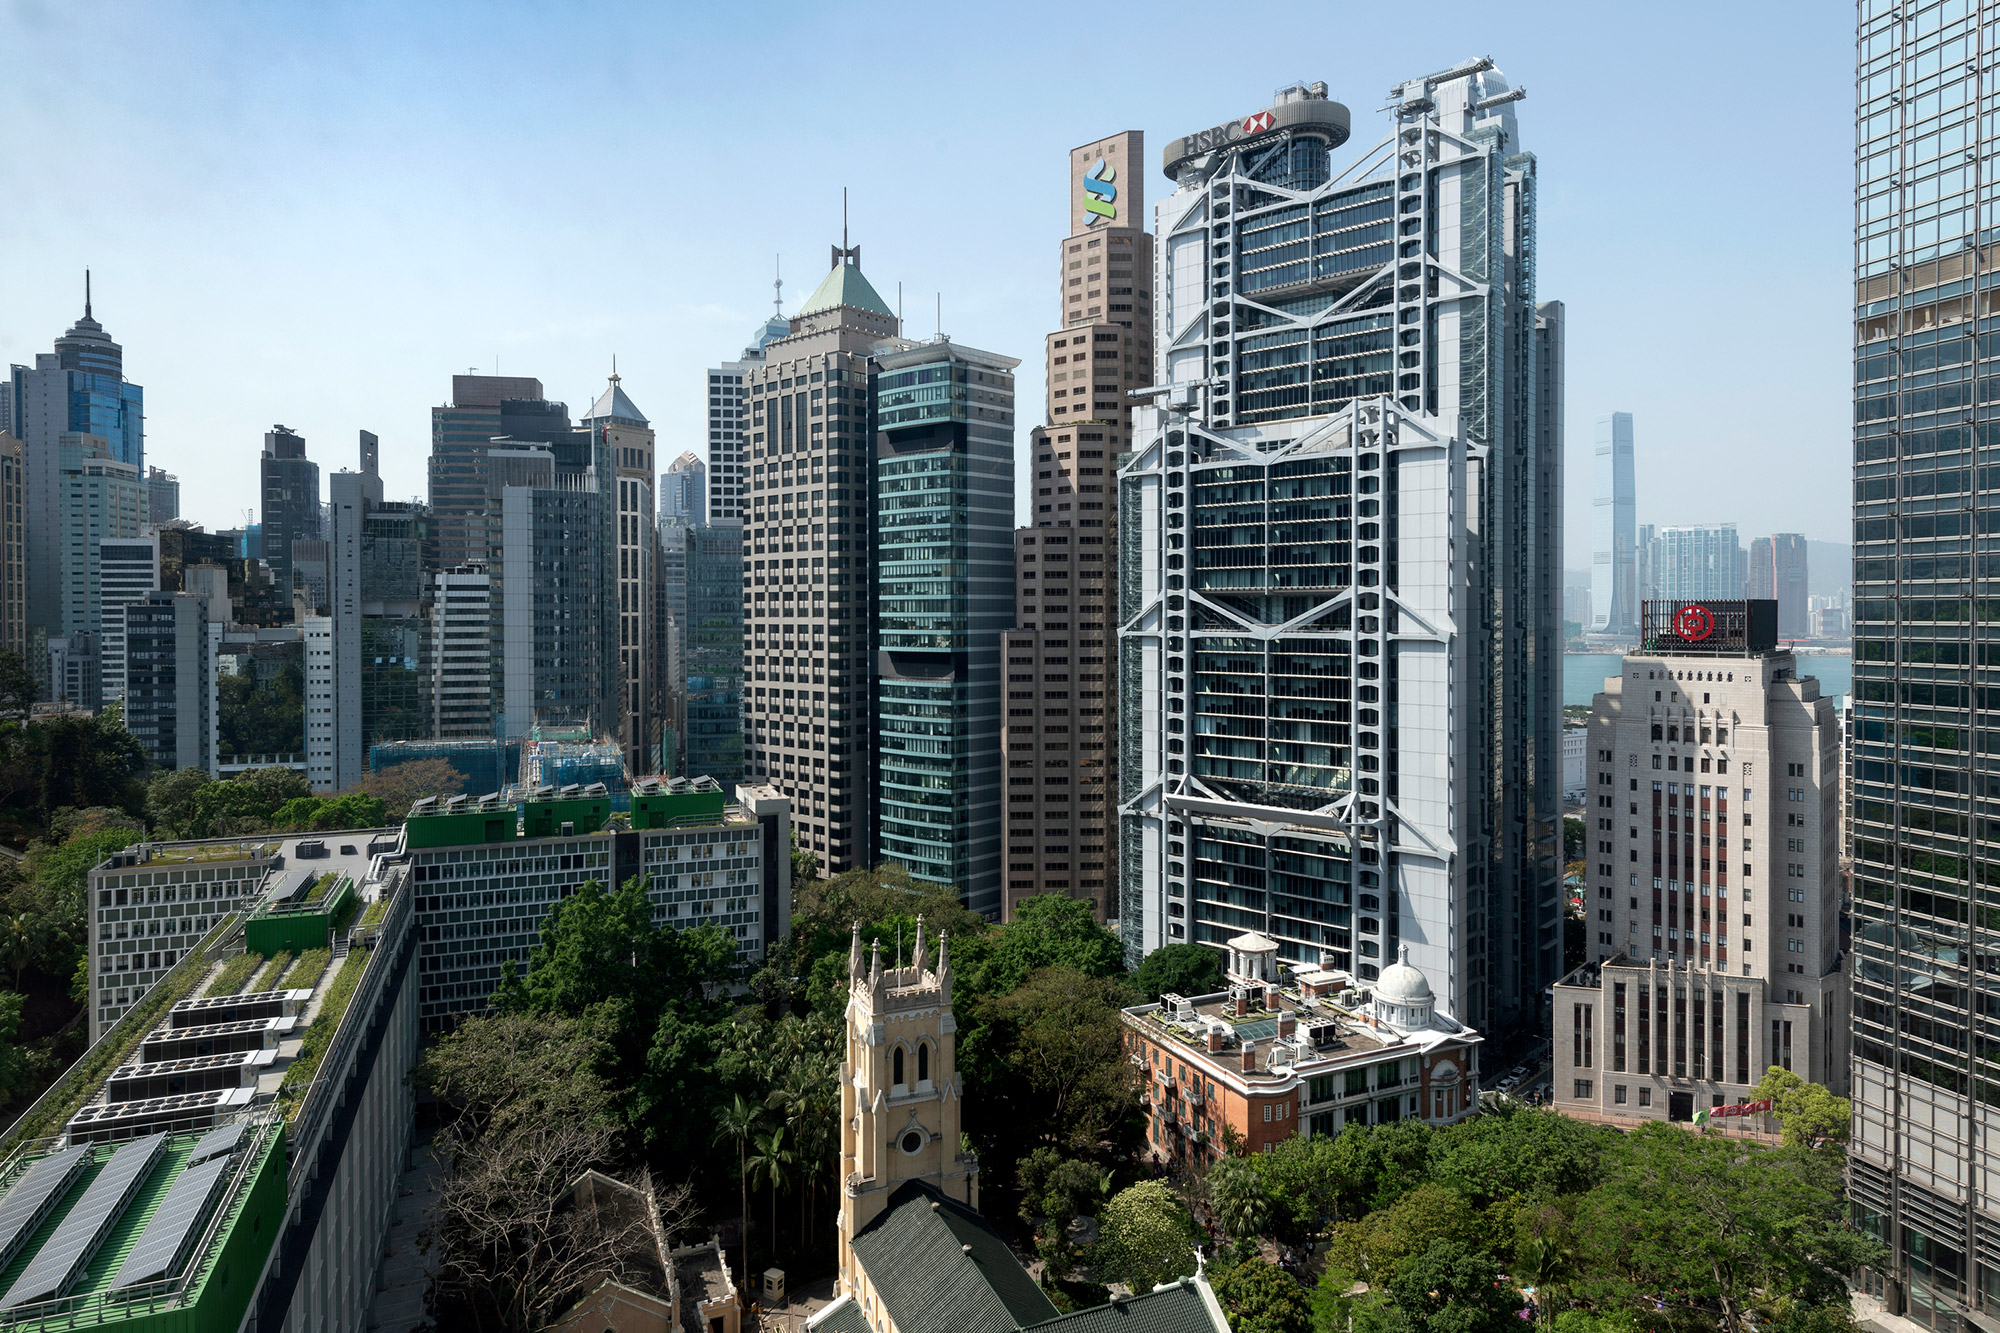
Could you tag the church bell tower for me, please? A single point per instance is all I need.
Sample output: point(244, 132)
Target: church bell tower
point(900, 1092)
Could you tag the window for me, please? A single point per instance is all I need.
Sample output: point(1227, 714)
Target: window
point(1618, 1094)
point(1267, 1115)
point(896, 1066)
point(923, 1061)
point(1583, 1087)
point(1645, 1096)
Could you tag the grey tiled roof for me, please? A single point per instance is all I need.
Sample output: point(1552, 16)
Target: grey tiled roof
point(845, 1318)
point(939, 1268)
point(1179, 1308)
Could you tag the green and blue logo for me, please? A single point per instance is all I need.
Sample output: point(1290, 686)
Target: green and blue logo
point(1099, 194)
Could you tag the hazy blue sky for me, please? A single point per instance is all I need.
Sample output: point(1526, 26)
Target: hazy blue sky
point(315, 214)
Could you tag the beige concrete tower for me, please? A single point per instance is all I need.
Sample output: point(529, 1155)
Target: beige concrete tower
point(1061, 741)
point(900, 1093)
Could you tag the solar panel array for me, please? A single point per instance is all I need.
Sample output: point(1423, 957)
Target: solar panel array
point(172, 1227)
point(218, 1142)
point(34, 1195)
point(66, 1253)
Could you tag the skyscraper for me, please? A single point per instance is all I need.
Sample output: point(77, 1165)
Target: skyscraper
point(101, 496)
point(1924, 809)
point(944, 595)
point(170, 688)
point(128, 569)
point(13, 544)
point(81, 389)
point(712, 651)
point(482, 408)
point(1060, 830)
point(1778, 567)
point(684, 492)
point(623, 440)
point(163, 496)
point(1614, 608)
point(291, 500)
point(808, 575)
point(1698, 563)
point(729, 418)
point(462, 653)
point(551, 597)
point(1341, 714)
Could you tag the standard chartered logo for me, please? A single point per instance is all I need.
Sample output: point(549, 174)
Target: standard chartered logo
point(1099, 193)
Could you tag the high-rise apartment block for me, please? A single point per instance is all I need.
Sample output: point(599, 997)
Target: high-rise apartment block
point(726, 480)
point(101, 497)
point(1698, 563)
point(128, 569)
point(1613, 530)
point(1925, 810)
point(13, 543)
point(78, 389)
point(1712, 781)
point(462, 653)
point(808, 575)
point(944, 596)
point(551, 598)
point(171, 640)
point(1060, 740)
point(291, 500)
point(1340, 709)
point(1778, 572)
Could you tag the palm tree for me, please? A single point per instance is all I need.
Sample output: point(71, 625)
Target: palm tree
point(1241, 1204)
point(773, 1162)
point(738, 1121)
point(21, 938)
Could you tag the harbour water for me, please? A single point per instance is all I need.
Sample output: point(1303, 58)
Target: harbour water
point(1584, 673)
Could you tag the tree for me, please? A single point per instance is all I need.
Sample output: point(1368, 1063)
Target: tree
point(1179, 969)
point(17, 685)
point(1573, 838)
point(1301, 1178)
point(170, 797)
point(1060, 1046)
point(23, 938)
point(1262, 1298)
point(402, 785)
point(1049, 931)
point(1521, 1151)
point(805, 866)
point(1808, 1115)
point(501, 1072)
point(1721, 1222)
point(772, 1163)
point(261, 715)
point(736, 1124)
point(1450, 1288)
point(1237, 1193)
point(1148, 1237)
point(1376, 1247)
point(17, 1065)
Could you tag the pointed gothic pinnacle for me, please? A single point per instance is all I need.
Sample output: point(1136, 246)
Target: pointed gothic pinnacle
point(917, 955)
point(875, 966)
point(854, 955)
point(943, 966)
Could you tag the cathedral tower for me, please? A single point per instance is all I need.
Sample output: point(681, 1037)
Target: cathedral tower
point(900, 1093)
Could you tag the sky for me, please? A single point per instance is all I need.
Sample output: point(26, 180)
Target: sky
point(316, 214)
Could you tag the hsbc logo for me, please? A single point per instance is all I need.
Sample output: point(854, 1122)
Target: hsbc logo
point(1226, 133)
point(1258, 123)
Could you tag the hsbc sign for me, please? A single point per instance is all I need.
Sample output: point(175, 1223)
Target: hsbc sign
point(1209, 140)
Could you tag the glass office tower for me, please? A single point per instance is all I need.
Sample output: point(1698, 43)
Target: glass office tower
point(1339, 577)
point(1925, 786)
point(944, 593)
point(712, 649)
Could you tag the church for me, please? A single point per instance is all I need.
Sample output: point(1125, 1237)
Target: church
point(915, 1254)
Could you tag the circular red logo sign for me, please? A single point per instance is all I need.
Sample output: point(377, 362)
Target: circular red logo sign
point(1694, 623)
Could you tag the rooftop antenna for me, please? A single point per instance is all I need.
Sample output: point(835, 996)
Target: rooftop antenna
point(614, 367)
point(778, 286)
point(86, 293)
point(940, 314)
point(899, 306)
point(844, 251)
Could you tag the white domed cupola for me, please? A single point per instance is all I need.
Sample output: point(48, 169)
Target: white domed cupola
point(1403, 998)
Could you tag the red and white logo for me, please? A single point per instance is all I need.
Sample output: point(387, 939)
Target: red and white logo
point(1694, 623)
point(1258, 123)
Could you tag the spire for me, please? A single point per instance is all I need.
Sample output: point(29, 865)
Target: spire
point(875, 965)
point(844, 251)
point(777, 286)
point(854, 955)
point(614, 367)
point(944, 968)
point(917, 956)
point(86, 293)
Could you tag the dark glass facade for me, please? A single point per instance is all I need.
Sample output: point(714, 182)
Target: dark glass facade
point(713, 652)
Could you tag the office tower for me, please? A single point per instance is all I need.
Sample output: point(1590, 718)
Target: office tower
point(1778, 573)
point(1060, 832)
point(163, 496)
point(1922, 812)
point(75, 669)
point(684, 492)
point(13, 544)
point(1613, 529)
point(729, 417)
point(482, 408)
point(101, 497)
point(944, 596)
point(395, 628)
point(712, 652)
point(128, 569)
point(291, 502)
point(622, 438)
point(670, 638)
point(707, 860)
point(1342, 726)
point(551, 593)
point(80, 388)
point(1707, 969)
point(1699, 563)
point(462, 653)
point(808, 574)
point(171, 644)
